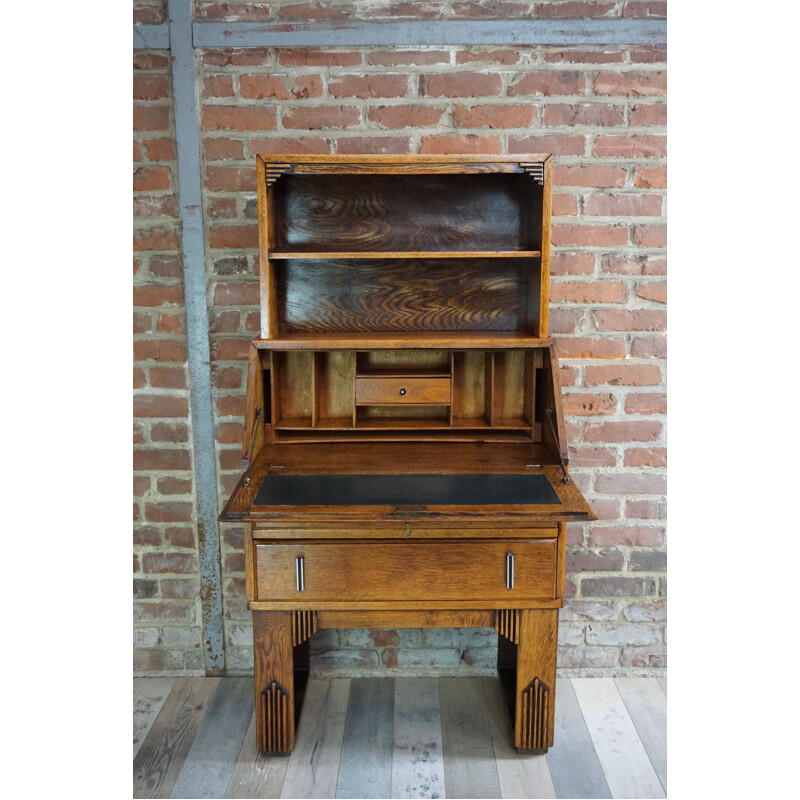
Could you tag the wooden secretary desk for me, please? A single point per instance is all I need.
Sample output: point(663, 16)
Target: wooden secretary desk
point(404, 454)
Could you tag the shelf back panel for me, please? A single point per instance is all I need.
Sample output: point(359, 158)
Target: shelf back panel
point(402, 295)
point(388, 213)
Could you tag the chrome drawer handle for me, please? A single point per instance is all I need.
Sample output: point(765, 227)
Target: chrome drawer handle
point(299, 576)
point(509, 571)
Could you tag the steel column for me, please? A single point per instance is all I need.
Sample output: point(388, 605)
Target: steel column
point(431, 32)
point(187, 139)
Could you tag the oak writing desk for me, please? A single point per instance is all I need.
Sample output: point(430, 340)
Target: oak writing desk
point(404, 455)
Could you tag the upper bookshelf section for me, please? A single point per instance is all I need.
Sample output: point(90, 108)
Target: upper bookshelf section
point(404, 244)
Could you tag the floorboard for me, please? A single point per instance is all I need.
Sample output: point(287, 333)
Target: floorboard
point(149, 695)
point(210, 762)
point(469, 765)
point(402, 738)
point(256, 774)
point(314, 765)
point(417, 762)
point(647, 706)
point(365, 770)
point(627, 768)
point(573, 746)
point(164, 750)
point(519, 775)
point(662, 682)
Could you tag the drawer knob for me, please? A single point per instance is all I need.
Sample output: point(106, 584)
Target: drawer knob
point(299, 573)
point(401, 392)
point(509, 571)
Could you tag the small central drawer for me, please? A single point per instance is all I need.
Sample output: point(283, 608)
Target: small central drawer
point(397, 390)
point(448, 570)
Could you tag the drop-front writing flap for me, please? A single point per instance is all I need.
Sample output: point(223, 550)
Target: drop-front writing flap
point(372, 480)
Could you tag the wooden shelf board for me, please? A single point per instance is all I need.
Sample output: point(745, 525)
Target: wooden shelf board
point(335, 423)
point(402, 423)
point(293, 423)
point(509, 423)
point(402, 340)
point(470, 422)
point(416, 434)
point(404, 372)
point(512, 423)
point(380, 254)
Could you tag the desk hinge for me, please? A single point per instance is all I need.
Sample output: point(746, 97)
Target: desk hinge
point(549, 414)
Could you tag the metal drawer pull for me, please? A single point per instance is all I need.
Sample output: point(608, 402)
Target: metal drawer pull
point(509, 571)
point(298, 568)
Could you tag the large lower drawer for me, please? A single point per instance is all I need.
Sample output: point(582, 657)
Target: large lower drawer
point(406, 571)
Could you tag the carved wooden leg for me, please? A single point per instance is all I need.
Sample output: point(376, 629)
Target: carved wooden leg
point(536, 679)
point(274, 681)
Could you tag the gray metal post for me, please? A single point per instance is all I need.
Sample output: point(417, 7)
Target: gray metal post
point(187, 139)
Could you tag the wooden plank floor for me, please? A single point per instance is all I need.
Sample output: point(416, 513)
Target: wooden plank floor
point(403, 737)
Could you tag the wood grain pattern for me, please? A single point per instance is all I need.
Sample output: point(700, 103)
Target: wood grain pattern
point(314, 766)
point(293, 392)
point(346, 296)
point(519, 776)
point(542, 325)
point(391, 605)
point(626, 766)
point(404, 301)
point(255, 412)
point(536, 679)
point(405, 619)
point(334, 393)
point(417, 761)
point(402, 390)
point(535, 715)
point(256, 774)
point(274, 680)
point(149, 695)
point(647, 706)
point(469, 386)
point(416, 254)
point(163, 753)
point(365, 769)
point(304, 625)
point(507, 623)
point(574, 766)
point(405, 340)
point(469, 764)
point(409, 212)
point(399, 530)
point(405, 571)
point(210, 762)
point(398, 162)
point(548, 396)
point(266, 236)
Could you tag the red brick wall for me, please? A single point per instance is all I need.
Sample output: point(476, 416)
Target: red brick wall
point(149, 12)
point(167, 632)
point(370, 10)
point(602, 113)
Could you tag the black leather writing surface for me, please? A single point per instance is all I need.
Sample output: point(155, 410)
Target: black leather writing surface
point(405, 490)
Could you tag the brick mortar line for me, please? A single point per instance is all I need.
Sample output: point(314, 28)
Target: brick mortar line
point(334, 134)
point(488, 67)
point(238, 101)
